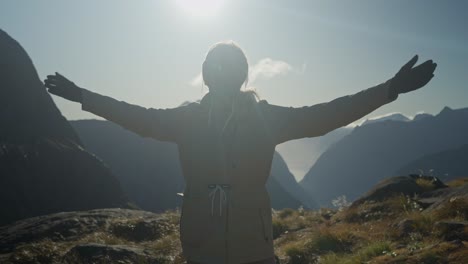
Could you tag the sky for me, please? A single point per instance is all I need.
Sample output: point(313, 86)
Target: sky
point(300, 52)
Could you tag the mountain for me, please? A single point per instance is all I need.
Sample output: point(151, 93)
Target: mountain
point(281, 174)
point(301, 154)
point(150, 172)
point(43, 166)
point(279, 197)
point(392, 117)
point(285, 180)
point(421, 116)
point(377, 150)
point(445, 164)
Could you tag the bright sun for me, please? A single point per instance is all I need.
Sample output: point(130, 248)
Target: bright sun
point(202, 8)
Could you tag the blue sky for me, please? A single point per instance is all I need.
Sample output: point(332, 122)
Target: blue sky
point(303, 52)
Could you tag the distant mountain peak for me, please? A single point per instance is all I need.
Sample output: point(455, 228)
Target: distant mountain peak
point(446, 110)
point(399, 117)
point(421, 115)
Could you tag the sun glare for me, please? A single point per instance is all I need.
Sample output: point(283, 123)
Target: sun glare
point(201, 8)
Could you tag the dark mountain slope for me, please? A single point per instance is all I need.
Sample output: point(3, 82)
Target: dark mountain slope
point(148, 170)
point(301, 154)
point(281, 174)
point(43, 167)
point(445, 164)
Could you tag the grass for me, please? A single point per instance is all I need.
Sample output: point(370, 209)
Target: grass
point(325, 241)
point(458, 182)
point(297, 254)
point(456, 208)
point(425, 184)
point(363, 255)
point(423, 223)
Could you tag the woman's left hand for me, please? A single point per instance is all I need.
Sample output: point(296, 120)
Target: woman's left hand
point(59, 85)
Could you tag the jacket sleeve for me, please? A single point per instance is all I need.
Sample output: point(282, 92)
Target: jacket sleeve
point(160, 124)
point(287, 123)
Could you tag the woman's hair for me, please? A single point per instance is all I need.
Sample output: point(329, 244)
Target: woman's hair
point(225, 67)
point(225, 70)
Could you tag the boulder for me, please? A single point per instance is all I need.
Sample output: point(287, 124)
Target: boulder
point(405, 227)
point(122, 254)
point(70, 226)
point(452, 230)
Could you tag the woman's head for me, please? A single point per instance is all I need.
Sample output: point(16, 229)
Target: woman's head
point(225, 68)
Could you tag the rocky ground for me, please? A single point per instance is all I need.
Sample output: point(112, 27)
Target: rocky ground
point(409, 219)
point(96, 236)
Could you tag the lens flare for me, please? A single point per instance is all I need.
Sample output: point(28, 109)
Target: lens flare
point(201, 8)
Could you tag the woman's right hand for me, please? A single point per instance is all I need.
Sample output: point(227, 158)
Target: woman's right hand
point(59, 85)
point(411, 78)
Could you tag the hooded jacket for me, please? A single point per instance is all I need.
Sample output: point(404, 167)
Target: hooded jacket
point(226, 157)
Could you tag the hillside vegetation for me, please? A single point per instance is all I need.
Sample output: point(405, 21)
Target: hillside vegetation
point(430, 227)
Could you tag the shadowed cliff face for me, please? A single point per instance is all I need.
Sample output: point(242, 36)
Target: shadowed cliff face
point(43, 168)
point(447, 164)
point(26, 110)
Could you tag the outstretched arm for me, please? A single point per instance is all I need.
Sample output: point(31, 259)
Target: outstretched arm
point(161, 124)
point(287, 123)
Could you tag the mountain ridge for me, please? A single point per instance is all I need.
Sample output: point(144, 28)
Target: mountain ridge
point(377, 150)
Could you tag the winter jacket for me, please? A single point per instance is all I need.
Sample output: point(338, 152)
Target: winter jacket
point(226, 212)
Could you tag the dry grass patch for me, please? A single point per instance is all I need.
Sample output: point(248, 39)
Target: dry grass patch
point(426, 184)
point(458, 182)
point(456, 208)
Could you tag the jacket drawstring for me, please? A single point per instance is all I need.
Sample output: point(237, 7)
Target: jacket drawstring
point(209, 111)
point(222, 198)
point(234, 101)
point(230, 115)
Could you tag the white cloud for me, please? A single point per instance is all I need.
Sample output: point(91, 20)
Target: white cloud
point(197, 81)
point(268, 68)
point(265, 69)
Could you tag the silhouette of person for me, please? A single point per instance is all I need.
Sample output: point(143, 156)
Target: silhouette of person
point(226, 144)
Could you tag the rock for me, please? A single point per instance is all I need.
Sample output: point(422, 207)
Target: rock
point(70, 226)
point(405, 227)
point(97, 253)
point(445, 198)
point(43, 166)
point(88, 237)
point(144, 230)
point(452, 230)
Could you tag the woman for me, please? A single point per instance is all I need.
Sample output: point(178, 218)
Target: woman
point(226, 144)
